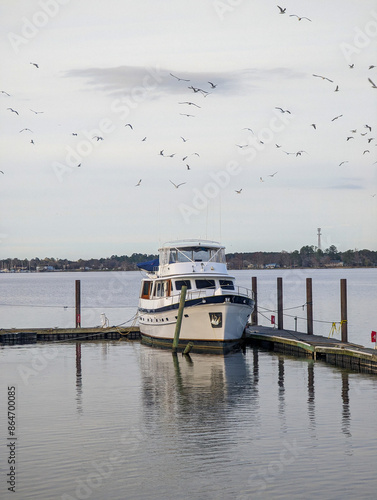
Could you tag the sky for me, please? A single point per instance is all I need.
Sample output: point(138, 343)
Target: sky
point(264, 117)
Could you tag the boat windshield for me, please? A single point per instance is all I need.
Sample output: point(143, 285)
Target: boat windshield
point(197, 254)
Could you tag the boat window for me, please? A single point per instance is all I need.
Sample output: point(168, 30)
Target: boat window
point(179, 284)
point(173, 256)
point(185, 255)
point(146, 289)
point(203, 283)
point(227, 284)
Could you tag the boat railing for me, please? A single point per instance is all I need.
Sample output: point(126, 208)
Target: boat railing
point(209, 292)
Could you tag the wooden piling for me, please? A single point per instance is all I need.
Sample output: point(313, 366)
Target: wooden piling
point(280, 302)
point(343, 310)
point(254, 287)
point(78, 304)
point(309, 306)
point(179, 319)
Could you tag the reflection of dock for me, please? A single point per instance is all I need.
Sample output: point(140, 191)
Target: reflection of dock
point(333, 351)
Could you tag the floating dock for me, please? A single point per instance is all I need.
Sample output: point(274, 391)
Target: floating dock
point(343, 354)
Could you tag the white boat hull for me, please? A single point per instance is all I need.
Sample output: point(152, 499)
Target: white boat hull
point(218, 326)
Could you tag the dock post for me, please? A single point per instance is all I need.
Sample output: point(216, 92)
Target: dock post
point(179, 318)
point(343, 310)
point(254, 287)
point(309, 307)
point(280, 302)
point(78, 304)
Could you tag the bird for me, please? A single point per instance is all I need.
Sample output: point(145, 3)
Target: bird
point(138, 184)
point(190, 103)
point(26, 129)
point(13, 111)
point(372, 195)
point(129, 125)
point(36, 112)
point(368, 127)
point(184, 114)
point(336, 89)
point(340, 164)
point(242, 145)
point(277, 145)
point(314, 126)
point(188, 167)
point(183, 139)
point(1, 172)
point(177, 185)
point(283, 110)
point(370, 139)
point(374, 86)
point(336, 117)
point(170, 156)
point(35, 64)
point(213, 86)
point(287, 153)
point(366, 151)
point(145, 138)
point(238, 191)
point(371, 66)
point(348, 138)
point(3, 92)
point(161, 152)
point(324, 78)
point(179, 79)
point(79, 165)
point(299, 18)
point(32, 142)
point(282, 11)
point(351, 66)
point(354, 131)
point(300, 152)
point(272, 175)
point(247, 128)
point(98, 138)
point(260, 178)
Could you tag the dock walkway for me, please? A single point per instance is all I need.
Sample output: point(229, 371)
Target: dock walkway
point(333, 351)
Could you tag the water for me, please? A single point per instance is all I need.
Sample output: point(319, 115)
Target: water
point(118, 420)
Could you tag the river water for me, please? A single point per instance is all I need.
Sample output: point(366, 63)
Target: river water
point(119, 420)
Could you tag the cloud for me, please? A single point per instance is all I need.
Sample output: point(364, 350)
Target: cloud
point(123, 79)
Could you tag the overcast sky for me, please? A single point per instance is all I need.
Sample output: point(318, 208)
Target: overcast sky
point(105, 64)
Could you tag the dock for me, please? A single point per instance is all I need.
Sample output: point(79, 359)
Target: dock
point(335, 352)
point(33, 335)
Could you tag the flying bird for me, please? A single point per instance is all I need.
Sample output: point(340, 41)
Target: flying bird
point(74, 133)
point(161, 152)
point(188, 167)
point(300, 152)
point(129, 125)
point(179, 79)
point(272, 175)
point(190, 103)
point(32, 142)
point(138, 184)
point(374, 86)
point(98, 138)
point(314, 126)
point(13, 110)
point(282, 11)
point(177, 185)
point(183, 139)
point(246, 128)
point(348, 138)
point(336, 117)
point(283, 110)
point(242, 145)
point(340, 164)
point(371, 67)
point(299, 18)
point(238, 191)
point(79, 165)
point(366, 151)
point(370, 139)
point(3, 92)
point(213, 86)
point(184, 114)
point(35, 64)
point(336, 89)
point(351, 66)
point(1, 172)
point(26, 129)
point(145, 138)
point(36, 112)
point(324, 78)
point(368, 127)
point(260, 178)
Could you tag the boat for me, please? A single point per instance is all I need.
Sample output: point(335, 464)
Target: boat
point(216, 310)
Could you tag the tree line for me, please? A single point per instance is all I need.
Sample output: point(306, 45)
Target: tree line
point(307, 256)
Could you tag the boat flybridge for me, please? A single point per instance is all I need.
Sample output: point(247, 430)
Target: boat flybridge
point(216, 310)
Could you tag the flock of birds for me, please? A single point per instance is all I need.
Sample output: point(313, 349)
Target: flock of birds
point(189, 105)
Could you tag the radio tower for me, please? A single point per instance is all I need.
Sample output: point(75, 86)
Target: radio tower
point(319, 238)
